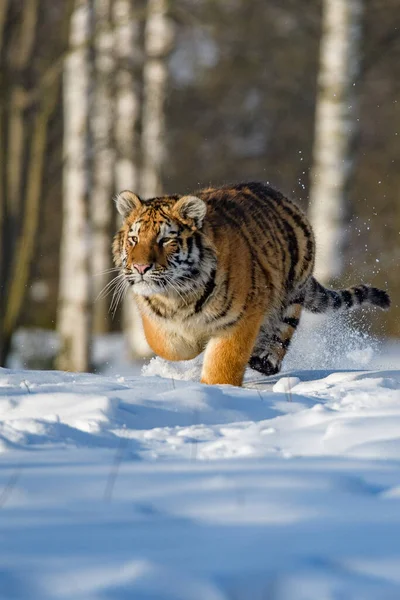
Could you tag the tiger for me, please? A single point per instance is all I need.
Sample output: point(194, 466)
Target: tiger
point(228, 271)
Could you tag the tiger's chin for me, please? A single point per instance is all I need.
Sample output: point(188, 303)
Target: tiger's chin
point(174, 289)
point(146, 288)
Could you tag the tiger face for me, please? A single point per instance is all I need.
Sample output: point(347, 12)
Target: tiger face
point(160, 247)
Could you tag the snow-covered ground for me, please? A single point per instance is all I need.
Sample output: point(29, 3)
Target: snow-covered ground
point(154, 487)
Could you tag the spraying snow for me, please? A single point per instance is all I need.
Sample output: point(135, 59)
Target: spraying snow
point(321, 342)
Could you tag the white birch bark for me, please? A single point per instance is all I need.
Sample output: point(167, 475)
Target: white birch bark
point(127, 94)
point(103, 162)
point(74, 295)
point(129, 55)
point(159, 36)
point(335, 125)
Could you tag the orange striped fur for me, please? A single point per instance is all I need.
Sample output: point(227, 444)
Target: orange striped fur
point(227, 270)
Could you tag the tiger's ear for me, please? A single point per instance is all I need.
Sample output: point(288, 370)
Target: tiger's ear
point(191, 209)
point(127, 202)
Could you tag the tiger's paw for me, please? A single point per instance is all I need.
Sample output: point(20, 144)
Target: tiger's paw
point(264, 365)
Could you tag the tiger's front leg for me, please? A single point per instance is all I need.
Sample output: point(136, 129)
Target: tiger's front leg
point(170, 345)
point(227, 355)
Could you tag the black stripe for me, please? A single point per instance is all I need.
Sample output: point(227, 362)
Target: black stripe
point(222, 313)
point(273, 197)
point(308, 257)
point(300, 221)
point(297, 218)
point(336, 299)
point(321, 296)
point(265, 215)
point(199, 244)
point(252, 291)
point(322, 302)
point(189, 244)
point(359, 294)
point(272, 223)
point(246, 236)
point(264, 191)
point(162, 212)
point(224, 289)
point(293, 252)
point(317, 298)
point(155, 310)
point(208, 290)
point(283, 343)
point(225, 303)
point(347, 298)
point(310, 250)
point(283, 226)
point(234, 321)
point(292, 321)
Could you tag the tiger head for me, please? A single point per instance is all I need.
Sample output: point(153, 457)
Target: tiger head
point(161, 248)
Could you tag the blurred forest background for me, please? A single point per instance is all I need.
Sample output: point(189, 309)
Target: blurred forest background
point(97, 96)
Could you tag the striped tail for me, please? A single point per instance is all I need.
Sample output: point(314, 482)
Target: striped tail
point(319, 299)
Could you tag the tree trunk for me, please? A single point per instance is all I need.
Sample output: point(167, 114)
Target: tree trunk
point(13, 141)
point(25, 113)
point(335, 126)
point(159, 35)
point(74, 293)
point(27, 238)
point(3, 212)
point(103, 163)
point(128, 54)
point(20, 56)
point(129, 57)
point(3, 17)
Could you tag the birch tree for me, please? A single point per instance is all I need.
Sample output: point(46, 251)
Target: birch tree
point(335, 126)
point(3, 16)
point(20, 56)
point(4, 343)
point(103, 161)
point(128, 54)
point(14, 139)
point(74, 292)
point(29, 93)
point(159, 37)
point(128, 32)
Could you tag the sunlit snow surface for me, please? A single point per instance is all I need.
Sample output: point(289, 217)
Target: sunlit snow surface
point(154, 487)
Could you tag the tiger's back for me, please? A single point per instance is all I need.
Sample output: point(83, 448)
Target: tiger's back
point(266, 233)
point(227, 270)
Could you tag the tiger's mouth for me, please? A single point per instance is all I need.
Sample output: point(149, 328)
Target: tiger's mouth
point(154, 282)
point(144, 287)
point(165, 283)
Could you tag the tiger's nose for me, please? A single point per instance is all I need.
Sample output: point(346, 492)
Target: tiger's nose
point(142, 269)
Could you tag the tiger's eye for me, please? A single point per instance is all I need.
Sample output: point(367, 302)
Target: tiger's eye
point(166, 241)
point(132, 240)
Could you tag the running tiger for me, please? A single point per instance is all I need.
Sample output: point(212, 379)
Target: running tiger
point(228, 271)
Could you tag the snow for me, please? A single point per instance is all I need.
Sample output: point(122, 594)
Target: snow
point(154, 487)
